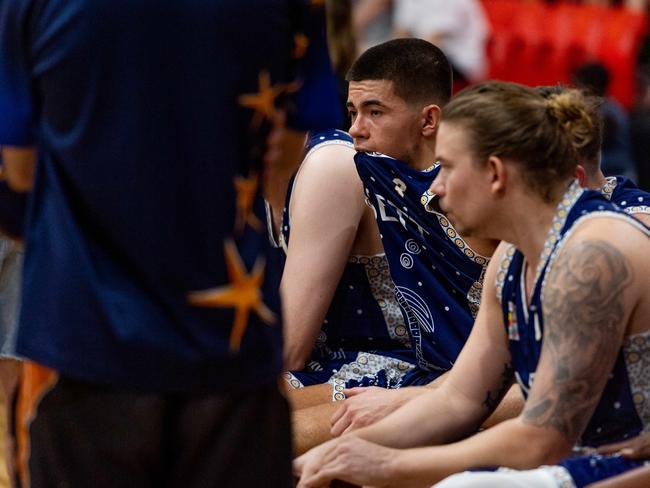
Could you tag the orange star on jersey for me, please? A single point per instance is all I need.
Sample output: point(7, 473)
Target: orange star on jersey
point(246, 190)
point(243, 294)
point(263, 102)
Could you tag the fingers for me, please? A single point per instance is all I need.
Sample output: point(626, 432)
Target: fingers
point(613, 448)
point(342, 423)
point(340, 412)
point(350, 392)
point(633, 449)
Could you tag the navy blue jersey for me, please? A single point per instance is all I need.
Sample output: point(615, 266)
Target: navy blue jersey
point(364, 315)
point(438, 277)
point(621, 411)
point(146, 250)
point(625, 194)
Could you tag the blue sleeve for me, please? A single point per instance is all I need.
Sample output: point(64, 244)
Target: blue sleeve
point(316, 103)
point(15, 81)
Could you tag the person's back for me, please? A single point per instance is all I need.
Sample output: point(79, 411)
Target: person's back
point(145, 250)
point(139, 125)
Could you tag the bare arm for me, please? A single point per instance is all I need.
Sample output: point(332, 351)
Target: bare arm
point(586, 308)
point(326, 207)
point(18, 167)
point(368, 405)
point(471, 390)
point(585, 315)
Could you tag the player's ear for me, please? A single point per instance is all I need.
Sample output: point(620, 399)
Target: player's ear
point(430, 120)
point(498, 174)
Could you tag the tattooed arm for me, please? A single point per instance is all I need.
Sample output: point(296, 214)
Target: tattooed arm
point(588, 299)
point(585, 315)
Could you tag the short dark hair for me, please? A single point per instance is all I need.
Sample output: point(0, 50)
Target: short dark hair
point(420, 71)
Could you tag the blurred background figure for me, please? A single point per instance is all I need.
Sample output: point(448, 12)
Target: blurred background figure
point(640, 118)
point(459, 28)
point(594, 79)
point(342, 46)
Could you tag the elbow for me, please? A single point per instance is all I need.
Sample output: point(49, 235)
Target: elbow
point(535, 446)
point(294, 359)
point(545, 450)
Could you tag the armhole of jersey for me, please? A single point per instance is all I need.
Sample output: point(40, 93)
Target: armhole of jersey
point(269, 226)
point(637, 209)
point(576, 225)
point(329, 142)
point(502, 272)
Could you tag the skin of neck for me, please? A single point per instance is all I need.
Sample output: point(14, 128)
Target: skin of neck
point(596, 181)
point(424, 155)
point(526, 220)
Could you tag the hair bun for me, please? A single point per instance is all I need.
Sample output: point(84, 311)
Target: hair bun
point(570, 110)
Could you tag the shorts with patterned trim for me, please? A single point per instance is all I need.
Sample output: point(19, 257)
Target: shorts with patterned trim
point(352, 369)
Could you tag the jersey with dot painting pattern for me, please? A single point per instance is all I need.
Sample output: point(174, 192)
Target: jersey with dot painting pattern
point(438, 277)
point(625, 194)
point(623, 409)
point(363, 315)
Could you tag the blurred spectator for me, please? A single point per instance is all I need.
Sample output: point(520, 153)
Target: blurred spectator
point(640, 118)
point(372, 22)
point(342, 43)
point(631, 4)
point(460, 28)
point(594, 79)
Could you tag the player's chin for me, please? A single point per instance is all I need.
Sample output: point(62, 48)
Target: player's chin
point(361, 147)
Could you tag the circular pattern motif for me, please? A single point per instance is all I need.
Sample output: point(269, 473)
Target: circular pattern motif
point(412, 246)
point(406, 261)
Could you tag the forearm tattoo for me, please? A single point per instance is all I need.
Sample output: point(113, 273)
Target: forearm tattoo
point(583, 317)
point(493, 399)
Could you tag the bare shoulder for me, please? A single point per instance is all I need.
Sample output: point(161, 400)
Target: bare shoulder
point(613, 234)
point(605, 262)
point(328, 183)
point(329, 161)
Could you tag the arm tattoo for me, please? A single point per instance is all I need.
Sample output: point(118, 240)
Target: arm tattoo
point(492, 400)
point(583, 321)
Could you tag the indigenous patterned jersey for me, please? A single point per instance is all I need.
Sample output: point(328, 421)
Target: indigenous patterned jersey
point(364, 314)
point(438, 277)
point(625, 194)
point(623, 410)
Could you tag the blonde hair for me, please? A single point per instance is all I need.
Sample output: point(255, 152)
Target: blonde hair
point(543, 136)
